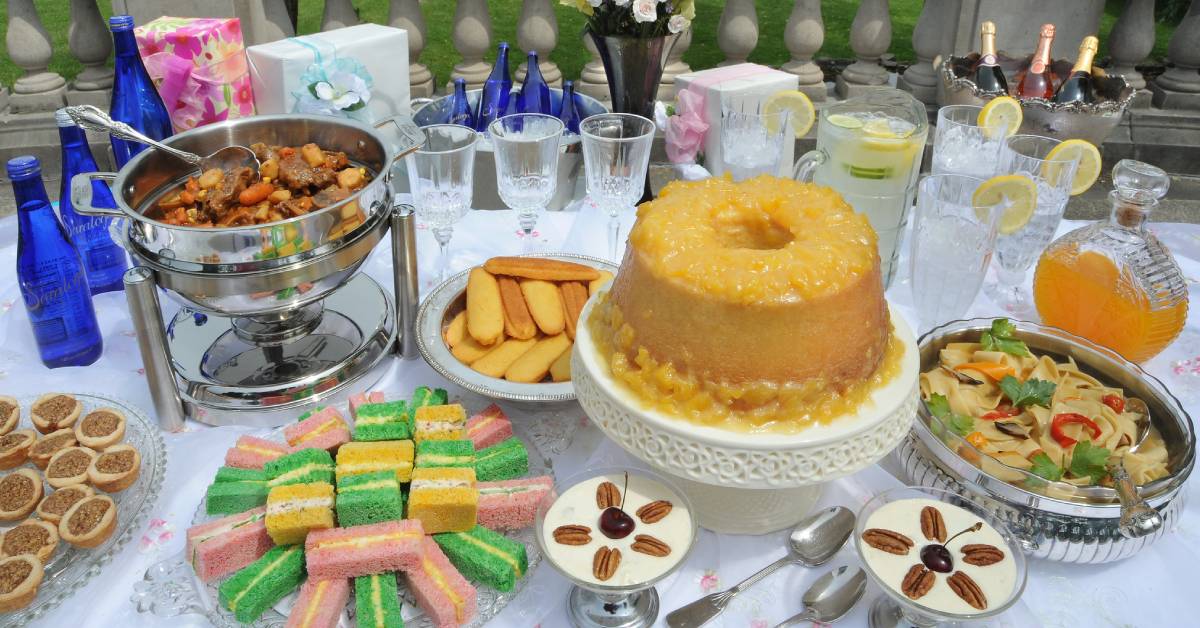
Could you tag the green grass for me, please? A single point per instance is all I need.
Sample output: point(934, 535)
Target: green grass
point(440, 55)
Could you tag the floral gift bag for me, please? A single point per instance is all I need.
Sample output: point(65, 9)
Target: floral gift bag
point(199, 66)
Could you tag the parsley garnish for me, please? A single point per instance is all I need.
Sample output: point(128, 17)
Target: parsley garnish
point(1000, 338)
point(1031, 392)
point(1044, 467)
point(939, 406)
point(1089, 461)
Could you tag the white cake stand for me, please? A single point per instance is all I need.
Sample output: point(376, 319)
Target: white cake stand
point(743, 483)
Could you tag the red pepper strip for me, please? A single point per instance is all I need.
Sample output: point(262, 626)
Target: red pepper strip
point(1116, 402)
point(1071, 418)
point(1002, 411)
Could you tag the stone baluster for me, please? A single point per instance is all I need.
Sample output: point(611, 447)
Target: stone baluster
point(593, 81)
point(406, 14)
point(803, 36)
point(737, 32)
point(1131, 40)
point(28, 46)
point(870, 38)
point(90, 43)
point(338, 14)
point(932, 36)
point(1178, 86)
point(537, 29)
point(674, 65)
point(472, 38)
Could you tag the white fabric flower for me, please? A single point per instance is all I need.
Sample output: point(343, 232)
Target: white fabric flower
point(343, 90)
point(645, 10)
point(678, 24)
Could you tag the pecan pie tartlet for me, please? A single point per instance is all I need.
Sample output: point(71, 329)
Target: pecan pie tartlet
point(10, 414)
point(45, 447)
point(20, 577)
point(89, 522)
point(54, 411)
point(14, 448)
point(31, 536)
point(20, 492)
point(56, 504)
point(100, 428)
point(69, 466)
point(115, 469)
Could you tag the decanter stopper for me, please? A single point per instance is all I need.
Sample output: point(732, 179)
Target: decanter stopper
point(1137, 186)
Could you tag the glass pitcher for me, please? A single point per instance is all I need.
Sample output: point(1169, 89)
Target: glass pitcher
point(869, 150)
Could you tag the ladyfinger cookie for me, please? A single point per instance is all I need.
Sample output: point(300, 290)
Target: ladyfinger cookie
point(469, 350)
point(545, 304)
point(485, 313)
point(531, 367)
point(542, 268)
point(574, 295)
point(498, 360)
point(518, 323)
point(560, 371)
point(456, 329)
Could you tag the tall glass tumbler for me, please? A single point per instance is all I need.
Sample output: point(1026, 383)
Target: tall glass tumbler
point(960, 145)
point(441, 174)
point(616, 156)
point(526, 148)
point(953, 240)
point(752, 143)
point(1017, 251)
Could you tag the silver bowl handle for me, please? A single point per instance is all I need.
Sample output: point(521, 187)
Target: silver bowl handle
point(411, 136)
point(1138, 518)
point(81, 194)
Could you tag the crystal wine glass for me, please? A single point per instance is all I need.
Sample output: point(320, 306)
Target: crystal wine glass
point(441, 174)
point(616, 155)
point(526, 149)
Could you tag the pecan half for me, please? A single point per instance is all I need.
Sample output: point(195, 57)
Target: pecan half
point(933, 526)
point(888, 541)
point(646, 544)
point(605, 563)
point(967, 589)
point(573, 535)
point(608, 496)
point(981, 554)
point(654, 511)
point(917, 582)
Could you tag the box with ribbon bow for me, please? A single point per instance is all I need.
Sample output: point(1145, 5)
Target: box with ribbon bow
point(199, 66)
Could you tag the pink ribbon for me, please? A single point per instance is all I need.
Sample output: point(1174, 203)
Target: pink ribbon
point(186, 89)
point(687, 129)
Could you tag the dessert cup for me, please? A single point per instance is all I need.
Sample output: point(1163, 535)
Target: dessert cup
point(892, 608)
point(596, 605)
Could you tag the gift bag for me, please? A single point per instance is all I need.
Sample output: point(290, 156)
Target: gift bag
point(199, 66)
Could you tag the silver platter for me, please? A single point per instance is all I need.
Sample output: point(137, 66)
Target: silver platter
point(446, 301)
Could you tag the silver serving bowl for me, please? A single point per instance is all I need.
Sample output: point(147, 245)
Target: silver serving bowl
point(1053, 520)
point(261, 268)
point(450, 298)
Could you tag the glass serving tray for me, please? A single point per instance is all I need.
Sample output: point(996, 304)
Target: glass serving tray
point(171, 587)
point(70, 567)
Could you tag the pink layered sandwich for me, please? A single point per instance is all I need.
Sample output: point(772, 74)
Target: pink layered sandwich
point(320, 604)
point(442, 592)
point(325, 429)
point(511, 504)
point(489, 427)
point(363, 550)
point(252, 453)
point(364, 398)
point(219, 548)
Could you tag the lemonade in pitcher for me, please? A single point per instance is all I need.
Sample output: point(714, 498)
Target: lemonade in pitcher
point(869, 150)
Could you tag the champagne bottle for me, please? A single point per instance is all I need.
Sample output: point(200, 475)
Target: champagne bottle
point(1037, 81)
point(1078, 86)
point(988, 75)
point(494, 98)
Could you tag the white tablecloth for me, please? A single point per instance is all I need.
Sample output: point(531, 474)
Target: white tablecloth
point(1155, 588)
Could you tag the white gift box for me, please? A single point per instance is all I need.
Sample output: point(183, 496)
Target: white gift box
point(743, 87)
point(332, 72)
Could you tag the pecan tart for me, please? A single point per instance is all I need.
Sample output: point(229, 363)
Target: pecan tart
point(45, 447)
point(20, 577)
point(69, 466)
point(53, 506)
point(100, 428)
point(14, 448)
point(20, 492)
point(10, 414)
point(89, 522)
point(115, 469)
point(32, 536)
point(54, 411)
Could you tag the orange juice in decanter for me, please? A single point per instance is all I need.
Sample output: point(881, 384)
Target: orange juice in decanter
point(1113, 282)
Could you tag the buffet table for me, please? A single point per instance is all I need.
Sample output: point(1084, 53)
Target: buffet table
point(1152, 589)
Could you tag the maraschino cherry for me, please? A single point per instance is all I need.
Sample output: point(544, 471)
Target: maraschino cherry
point(615, 523)
point(937, 558)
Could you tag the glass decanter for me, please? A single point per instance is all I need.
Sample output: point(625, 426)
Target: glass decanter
point(1113, 282)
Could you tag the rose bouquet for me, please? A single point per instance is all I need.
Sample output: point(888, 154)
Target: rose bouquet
point(636, 18)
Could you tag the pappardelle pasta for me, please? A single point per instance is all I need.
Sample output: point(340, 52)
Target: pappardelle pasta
point(1032, 413)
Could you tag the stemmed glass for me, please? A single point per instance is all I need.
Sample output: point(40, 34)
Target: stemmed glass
point(752, 143)
point(441, 174)
point(616, 155)
point(1016, 252)
point(952, 243)
point(526, 149)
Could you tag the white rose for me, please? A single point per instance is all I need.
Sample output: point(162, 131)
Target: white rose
point(621, 3)
point(678, 24)
point(645, 10)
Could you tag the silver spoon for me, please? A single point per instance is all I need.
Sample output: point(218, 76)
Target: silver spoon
point(1138, 517)
point(1133, 404)
point(830, 597)
point(812, 542)
point(95, 119)
point(962, 377)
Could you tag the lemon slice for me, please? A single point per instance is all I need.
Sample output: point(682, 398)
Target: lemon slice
point(1016, 193)
point(1000, 118)
point(845, 121)
point(1088, 157)
point(798, 104)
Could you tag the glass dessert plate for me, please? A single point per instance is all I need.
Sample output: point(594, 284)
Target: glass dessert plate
point(171, 588)
point(70, 567)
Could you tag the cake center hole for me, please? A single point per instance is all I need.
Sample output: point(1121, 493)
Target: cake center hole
point(756, 231)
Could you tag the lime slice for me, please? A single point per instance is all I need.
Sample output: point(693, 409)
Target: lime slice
point(1081, 151)
point(1000, 118)
point(845, 121)
point(800, 108)
point(1015, 193)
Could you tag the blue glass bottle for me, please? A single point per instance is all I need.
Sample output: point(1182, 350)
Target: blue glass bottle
point(51, 276)
point(135, 101)
point(459, 111)
point(494, 98)
point(103, 260)
point(569, 108)
point(535, 93)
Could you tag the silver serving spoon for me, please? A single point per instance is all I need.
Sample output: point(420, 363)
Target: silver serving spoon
point(1133, 404)
point(1138, 517)
point(962, 377)
point(830, 597)
point(230, 157)
point(812, 542)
